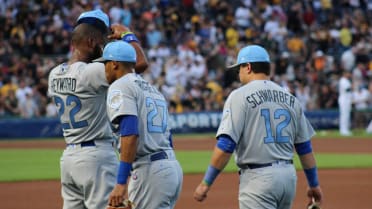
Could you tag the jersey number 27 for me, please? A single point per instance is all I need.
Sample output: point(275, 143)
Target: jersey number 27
point(157, 109)
point(278, 114)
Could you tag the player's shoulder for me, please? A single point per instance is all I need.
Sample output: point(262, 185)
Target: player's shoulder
point(77, 66)
point(57, 69)
point(125, 81)
point(94, 66)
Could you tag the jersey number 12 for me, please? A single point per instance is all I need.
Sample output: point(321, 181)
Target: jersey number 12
point(278, 113)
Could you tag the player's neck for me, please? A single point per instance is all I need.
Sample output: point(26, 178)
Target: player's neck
point(77, 56)
point(258, 76)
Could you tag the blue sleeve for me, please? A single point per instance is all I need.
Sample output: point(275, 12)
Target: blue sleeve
point(304, 148)
point(128, 125)
point(226, 144)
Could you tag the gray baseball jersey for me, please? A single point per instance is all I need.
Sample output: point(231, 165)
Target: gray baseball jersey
point(132, 95)
point(156, 182)
point(265, 121)
point(89, 162)
point(79, 91)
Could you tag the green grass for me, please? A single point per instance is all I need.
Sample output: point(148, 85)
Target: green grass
point(197, 161)
point(29, 164)
point(43, 164)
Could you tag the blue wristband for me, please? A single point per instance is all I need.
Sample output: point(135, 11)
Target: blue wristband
point(129, 38)
point(210, 175)
point(312, 177)
point(123, 172)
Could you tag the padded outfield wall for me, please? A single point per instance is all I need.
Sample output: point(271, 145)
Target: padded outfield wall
point(195, 122)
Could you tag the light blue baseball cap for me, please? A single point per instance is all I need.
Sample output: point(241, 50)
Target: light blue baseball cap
point(91, 16)
point(118, 51)
point(249, 54)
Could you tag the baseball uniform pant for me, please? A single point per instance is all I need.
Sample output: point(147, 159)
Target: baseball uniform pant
point(155, 183)
point(88, 175)
point(272, 187)
point(345, 112)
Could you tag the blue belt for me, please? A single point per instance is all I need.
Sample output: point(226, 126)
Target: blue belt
point(254, 166)
point(84, 144)
point(159, 156)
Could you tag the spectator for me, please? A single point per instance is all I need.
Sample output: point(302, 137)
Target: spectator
point(22, 90)
point(11, 104)
point(153, 36)
point(360, 100)
point(34, 38)
point(8, 86)
point(51, 109)
point(29, 108)
point(303, 95)
point(327, 97)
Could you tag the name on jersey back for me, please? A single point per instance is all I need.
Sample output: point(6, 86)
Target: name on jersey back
point(262, 96)
point(145, 86)
point(63, 85)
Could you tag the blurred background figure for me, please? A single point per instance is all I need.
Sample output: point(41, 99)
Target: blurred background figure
point(345, 102)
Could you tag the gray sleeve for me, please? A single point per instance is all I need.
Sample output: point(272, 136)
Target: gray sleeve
point(121, 100)
point(305, 130)
point(96, 76)
point(233, 117)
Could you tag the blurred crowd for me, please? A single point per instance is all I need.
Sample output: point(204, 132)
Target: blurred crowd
point(189, 43)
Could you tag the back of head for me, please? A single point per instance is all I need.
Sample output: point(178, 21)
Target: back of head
point(85, 31)
point(255, 55)
point(88, 42)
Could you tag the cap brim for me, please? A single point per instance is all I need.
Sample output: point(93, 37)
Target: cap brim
point(101, 59)
point(233, 67)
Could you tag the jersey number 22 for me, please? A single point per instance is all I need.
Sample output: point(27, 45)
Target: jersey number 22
point(70, 101)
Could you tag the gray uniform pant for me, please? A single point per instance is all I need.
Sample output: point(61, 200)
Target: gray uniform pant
point(272, 187)
point(88, 175)
point(155, 184)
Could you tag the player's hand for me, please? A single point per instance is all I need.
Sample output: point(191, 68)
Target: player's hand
point(201, 191)
point(315, 195)
point(116, 31)
point(117, 195)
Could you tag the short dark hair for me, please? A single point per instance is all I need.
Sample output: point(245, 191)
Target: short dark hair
point(128, 64)
point(85, 30)
point(261, 67)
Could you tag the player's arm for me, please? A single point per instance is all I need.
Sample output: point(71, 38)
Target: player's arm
point(221, 155)
point(128, 148)
point(308, 162)
point(120, 32)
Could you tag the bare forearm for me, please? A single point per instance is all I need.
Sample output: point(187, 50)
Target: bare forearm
point(220, 158)
point(308, 160)
point(128, 148)
point(142, 63)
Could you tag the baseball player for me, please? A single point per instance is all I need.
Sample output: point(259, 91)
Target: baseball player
point(263, 124)
point(79, 89)
point(345, 102)
point(141, 113)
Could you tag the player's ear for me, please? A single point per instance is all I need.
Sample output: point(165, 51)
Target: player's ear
point(249, 67)
point(115, 65)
